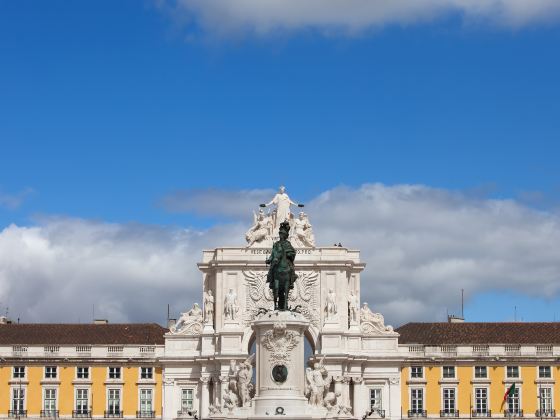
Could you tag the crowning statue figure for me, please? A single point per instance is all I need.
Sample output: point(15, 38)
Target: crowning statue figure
point(283, 203)
point(282, 275)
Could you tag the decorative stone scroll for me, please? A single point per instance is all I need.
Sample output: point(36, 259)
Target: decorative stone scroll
point(373, 323)
point(279, 343)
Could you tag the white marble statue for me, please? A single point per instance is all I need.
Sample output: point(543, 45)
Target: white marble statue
point(283, 203)
point(209, 307)
point(303, 232)
point(331, 304)
point(230, 305)
point(331, 402)
point(244, 377)
point(372, 322)
point(354, 307)
point(261, 231)
point(316, 383)
point(230, 400)
point(191, 320)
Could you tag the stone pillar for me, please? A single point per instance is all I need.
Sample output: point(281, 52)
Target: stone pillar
point(204, 397)
point(359, 405)
point(338, 387)
point(168, 403)
point(223, 384)
point(346, 392)
point(280, 363)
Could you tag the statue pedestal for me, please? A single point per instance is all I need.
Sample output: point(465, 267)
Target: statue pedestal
point(280, 364)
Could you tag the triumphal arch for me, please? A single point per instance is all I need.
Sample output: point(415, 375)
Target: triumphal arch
point(235, 357)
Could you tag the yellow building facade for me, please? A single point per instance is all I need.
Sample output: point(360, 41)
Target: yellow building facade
point(81, 371)
point(466, 369)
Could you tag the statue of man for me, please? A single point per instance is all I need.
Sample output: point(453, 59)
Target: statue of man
point(317, 383)
point(283, 203)
point(331, 304)
point(282, 275)
point(209, 307)
point(354, 306)
point(230, 305)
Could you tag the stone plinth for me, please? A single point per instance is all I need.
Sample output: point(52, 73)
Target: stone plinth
point(280, 363)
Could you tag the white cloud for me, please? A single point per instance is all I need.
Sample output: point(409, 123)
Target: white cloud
point(421, 246)
point(57, 271)
point(262, 17)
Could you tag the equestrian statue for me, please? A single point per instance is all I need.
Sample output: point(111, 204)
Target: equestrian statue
point(282, 275)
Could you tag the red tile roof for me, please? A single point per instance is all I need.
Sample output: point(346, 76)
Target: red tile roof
point(442, 333)
point(73, 334)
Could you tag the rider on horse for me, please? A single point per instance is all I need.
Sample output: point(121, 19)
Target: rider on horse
point(282, 275)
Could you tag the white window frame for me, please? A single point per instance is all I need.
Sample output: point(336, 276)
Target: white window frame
point(539, 372)
point(421, 371)
point(519, 400)
point(192, 399)
point(487, 398)
point(411, 399)
point(551, 398)
point(513, 377)
point(480, 367)
point(44, 392)
point(443, 399)
point(78, 372)
point(448, 377)
point(380, 399)
point(55, 372)
point(12, 399)
point(151, 378)
point(152, 399)
point(107, 400)
point(88, 397)
point(120, 370)
point(14, 377)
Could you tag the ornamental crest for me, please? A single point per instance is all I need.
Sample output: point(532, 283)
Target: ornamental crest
point(304, 295)
point(279, 342)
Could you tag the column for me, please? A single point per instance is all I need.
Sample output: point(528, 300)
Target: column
point(204, 397)
point(338, 388)
point(346, 391)
point(359, 405)
point(224, 382)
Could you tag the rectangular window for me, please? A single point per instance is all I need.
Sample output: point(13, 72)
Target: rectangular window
point(114, 401)
point(18, 400)
point(146, 373)
point(50, 372)
point(416, 372)
point(480, 372)
point(545, 372)
point(417, 400)
point(545, 401)
point(146, 402)
point(513, 402)
point(19, 372)
point(186, 399)
point(375, 398)
point(82, 372)
point(512, 371)
point(82, 401)
point(49, 402)
point(481, 400)
point(114, 373)
point(449, 400)
point(449, 372)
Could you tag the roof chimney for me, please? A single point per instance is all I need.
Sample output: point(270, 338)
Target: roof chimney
point(100, 321)
point(454, 319)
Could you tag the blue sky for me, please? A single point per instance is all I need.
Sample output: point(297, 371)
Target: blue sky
point(108, 107)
